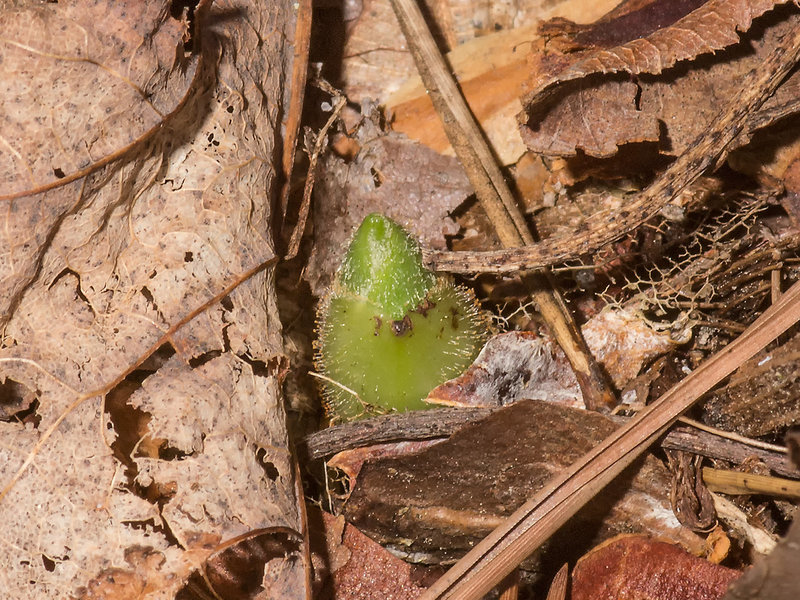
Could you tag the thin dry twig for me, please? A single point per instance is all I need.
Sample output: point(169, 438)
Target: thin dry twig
point(730, 435)
point(302, 42)
point(443, 422)
point(339, 102)
point(495, 197)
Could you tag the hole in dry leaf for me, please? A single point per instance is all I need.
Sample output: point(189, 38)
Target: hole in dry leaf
point(149, 526)
point(377, 177)
point(199, 361)
point(148, 295)
point(169, 453)
point(259, 367)
point(18, 403)
point(58, 173)
point(49, 565)
point(270, 470)
point(227, 303)
point(131, 424)
point(188, 257)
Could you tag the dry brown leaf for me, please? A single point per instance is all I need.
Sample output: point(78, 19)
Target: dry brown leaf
point(762, 397)
point(711, 27)
point(356, 568)
point(491, 70)
point(83, 84)
point(137, 205)
point(518, 365)
point(645, 569)
point(597, 115)
point(435, 504)
point(376, 62)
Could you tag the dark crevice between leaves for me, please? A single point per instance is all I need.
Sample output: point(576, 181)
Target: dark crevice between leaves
point(235, 570)
point(184, 11)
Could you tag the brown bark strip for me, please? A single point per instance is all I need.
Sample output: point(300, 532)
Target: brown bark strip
point(495, 197)
point(607, 226)
point(415, 425)
point(564, 495)
point(443, 422)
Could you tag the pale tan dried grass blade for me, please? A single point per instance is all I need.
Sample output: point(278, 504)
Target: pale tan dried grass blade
point(558, 588)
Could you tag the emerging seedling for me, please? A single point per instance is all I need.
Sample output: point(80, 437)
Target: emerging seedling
point(390, 331)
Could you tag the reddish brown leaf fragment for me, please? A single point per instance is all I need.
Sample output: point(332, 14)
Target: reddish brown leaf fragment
point(713, 26)
point(641, 568)
point(358, 568)
point(594, 119)
point(596, 116)
point(634, 19)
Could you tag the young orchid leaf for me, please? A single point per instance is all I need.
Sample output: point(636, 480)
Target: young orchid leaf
point(390, 330)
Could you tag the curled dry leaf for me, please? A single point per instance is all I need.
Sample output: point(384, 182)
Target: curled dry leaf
point(136, 161)
point(576, 102)
point(518, 365)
